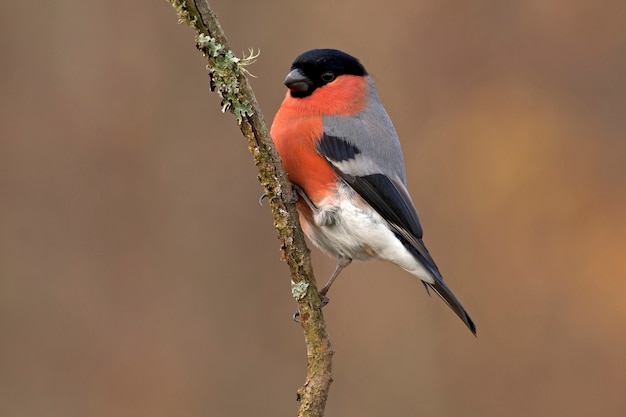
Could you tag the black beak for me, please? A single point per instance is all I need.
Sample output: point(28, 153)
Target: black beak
point(297, 81)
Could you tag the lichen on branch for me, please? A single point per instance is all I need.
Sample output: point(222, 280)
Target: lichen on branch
point(224, 72)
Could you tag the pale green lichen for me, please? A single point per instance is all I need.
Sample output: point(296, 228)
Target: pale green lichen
point(298, 289)
point(184, 16)
point(224, 69)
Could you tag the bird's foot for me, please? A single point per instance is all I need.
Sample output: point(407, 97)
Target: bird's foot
point(324, 301)
point(294, 200)
point(300, 193)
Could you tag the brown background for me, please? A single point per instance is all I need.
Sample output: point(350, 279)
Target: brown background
point(139, 276)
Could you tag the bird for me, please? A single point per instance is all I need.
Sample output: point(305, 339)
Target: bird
point(343, 156)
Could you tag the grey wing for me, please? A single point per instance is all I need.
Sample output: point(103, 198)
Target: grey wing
point(378, 143)
point(365, 151)
point(388, 196)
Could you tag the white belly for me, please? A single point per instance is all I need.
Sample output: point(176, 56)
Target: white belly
point(346, 227)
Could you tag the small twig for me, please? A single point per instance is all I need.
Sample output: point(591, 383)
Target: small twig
point(228, 78)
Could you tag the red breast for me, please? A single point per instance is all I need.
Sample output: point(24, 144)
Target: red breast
point(298, 127)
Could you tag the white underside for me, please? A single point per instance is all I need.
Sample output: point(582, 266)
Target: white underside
point(346, 227)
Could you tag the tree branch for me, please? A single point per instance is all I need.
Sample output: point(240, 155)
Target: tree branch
point(227, 77)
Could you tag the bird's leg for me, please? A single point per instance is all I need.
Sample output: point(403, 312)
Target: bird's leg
point(341, 264)
point(300, 192)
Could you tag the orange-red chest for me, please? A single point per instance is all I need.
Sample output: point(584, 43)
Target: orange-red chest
point(298, 127)
point(296, 141)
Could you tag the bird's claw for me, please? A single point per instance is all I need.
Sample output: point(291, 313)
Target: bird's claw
point(324, 300)
point(296, 316)
point(292, 201)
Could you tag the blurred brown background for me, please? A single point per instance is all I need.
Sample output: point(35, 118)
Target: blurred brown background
point(139, 276)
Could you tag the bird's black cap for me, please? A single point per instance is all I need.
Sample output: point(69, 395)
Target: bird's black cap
point(318, 67)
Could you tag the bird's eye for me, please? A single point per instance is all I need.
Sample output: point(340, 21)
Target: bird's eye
point(328, 76)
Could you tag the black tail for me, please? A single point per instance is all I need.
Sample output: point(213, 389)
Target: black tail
point(420, 252)
point(446, 295)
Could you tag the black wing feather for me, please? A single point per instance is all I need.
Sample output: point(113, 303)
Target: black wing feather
point(337, 149)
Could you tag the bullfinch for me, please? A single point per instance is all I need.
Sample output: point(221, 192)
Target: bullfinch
point(343, 156)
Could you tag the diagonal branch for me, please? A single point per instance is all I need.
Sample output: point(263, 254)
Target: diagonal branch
point(227, 75)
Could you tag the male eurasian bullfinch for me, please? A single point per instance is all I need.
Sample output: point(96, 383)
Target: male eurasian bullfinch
point(343, 155)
